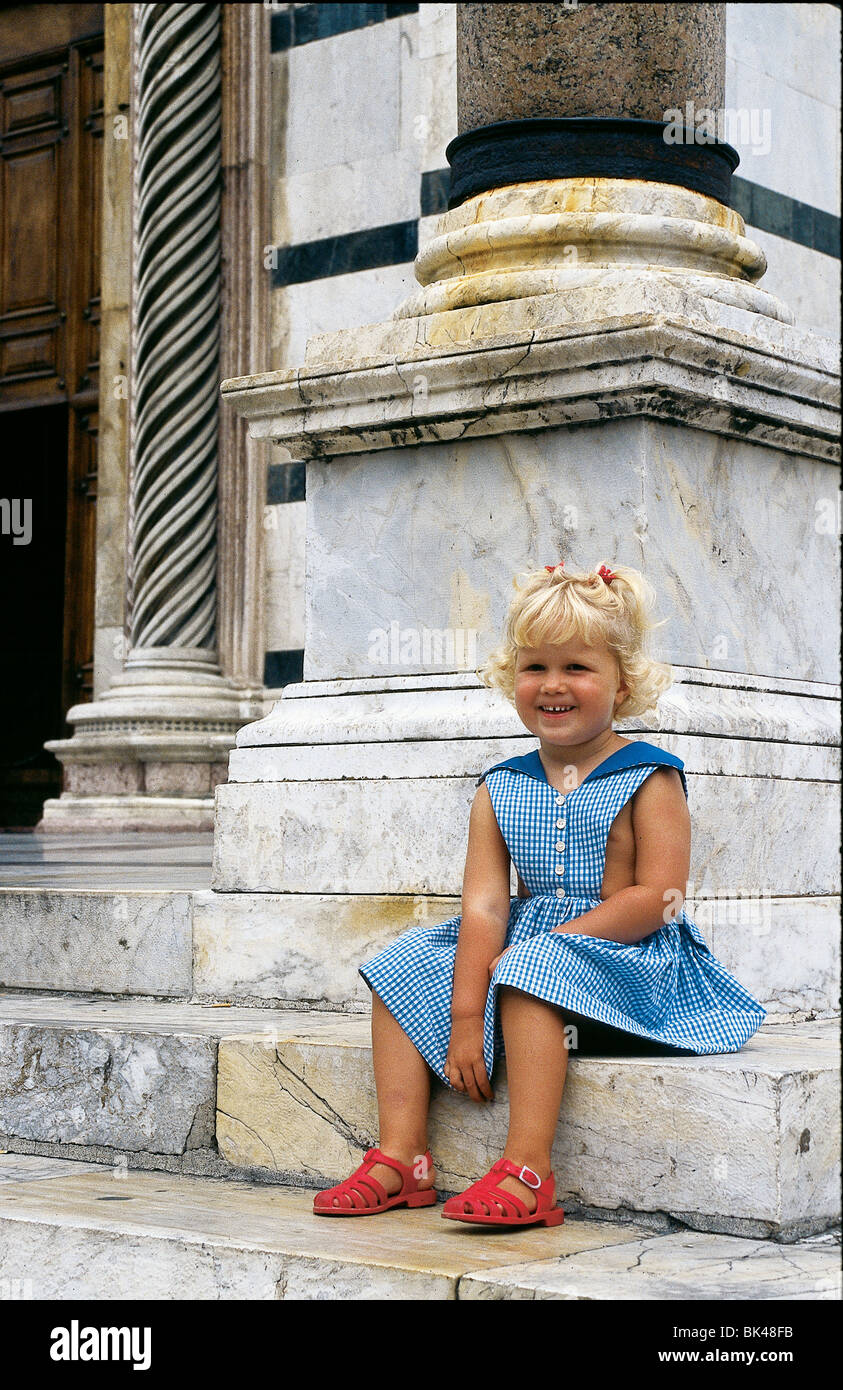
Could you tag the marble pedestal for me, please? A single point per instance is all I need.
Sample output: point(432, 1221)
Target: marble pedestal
point(358, 785)
point(661, 413)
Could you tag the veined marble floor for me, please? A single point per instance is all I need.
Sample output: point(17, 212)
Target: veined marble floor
point(83, 1230)
point(143, 860)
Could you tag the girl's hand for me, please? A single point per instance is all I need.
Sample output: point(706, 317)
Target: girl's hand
point(493, 963)
point(464, 1064)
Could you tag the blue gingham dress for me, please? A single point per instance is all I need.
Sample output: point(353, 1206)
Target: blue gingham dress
point(668, 988)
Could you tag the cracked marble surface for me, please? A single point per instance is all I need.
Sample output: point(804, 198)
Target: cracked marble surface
point(741, 1142)
point(126, 1089)
point(106, 1235)
point(737, 1142)
point(680, 1265)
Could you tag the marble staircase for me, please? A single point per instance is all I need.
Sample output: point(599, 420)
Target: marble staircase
point(140, 1112)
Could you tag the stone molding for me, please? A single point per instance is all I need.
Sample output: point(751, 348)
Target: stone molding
point(655, 314)
point(320, 731)
point(245, 343)
point(779, 391)
point(555, 235)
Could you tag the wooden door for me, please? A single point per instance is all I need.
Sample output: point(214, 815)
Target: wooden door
point(51, 131)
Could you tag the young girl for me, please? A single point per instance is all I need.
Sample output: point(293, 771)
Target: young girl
point(598, 829)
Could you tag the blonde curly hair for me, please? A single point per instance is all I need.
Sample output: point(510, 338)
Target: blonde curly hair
point(556, 606)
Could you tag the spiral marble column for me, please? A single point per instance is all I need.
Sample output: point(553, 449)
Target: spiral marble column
point(177, 275)
point(150, 751)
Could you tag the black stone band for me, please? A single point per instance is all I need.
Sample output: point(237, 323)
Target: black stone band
point(284, 667)
point(298, 24)
point(566, 147)
point(368, 249)
point(285, 482)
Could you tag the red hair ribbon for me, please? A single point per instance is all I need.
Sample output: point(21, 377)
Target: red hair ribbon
point(559, 564)
point(606, 574)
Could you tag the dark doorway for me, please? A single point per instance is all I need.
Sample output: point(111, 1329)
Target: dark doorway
point(33, 489)
point(51, 134)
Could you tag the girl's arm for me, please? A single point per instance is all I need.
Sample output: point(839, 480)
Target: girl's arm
point(485, 908)
point(661, 825)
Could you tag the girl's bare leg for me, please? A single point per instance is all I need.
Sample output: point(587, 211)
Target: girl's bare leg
point(536, 1067)
point(402, 1081)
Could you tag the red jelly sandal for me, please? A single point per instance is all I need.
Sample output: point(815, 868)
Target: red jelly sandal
point(362, 1195)
point(489, 1205)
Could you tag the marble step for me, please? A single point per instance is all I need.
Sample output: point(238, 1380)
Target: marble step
point(80, 1231)
point(109, 913)
point(741, 1143)
point(129, 942)
point(302, 950)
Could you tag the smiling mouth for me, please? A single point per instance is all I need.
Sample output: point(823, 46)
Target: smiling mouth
point(557, 709)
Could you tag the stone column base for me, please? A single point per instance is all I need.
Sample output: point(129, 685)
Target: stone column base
point(149, 753)
point(87, 814)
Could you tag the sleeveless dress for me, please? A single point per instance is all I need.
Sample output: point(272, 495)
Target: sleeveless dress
point(668, 988)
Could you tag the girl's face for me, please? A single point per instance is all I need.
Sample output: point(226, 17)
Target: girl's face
point(583, 678)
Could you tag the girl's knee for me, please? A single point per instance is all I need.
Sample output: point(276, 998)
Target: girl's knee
point(512, 994)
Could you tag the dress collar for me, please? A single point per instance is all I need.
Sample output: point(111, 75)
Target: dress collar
point(634, 754)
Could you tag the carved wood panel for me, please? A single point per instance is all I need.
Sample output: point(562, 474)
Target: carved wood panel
point(51, 133)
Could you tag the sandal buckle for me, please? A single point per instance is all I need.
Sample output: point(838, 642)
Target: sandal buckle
point(535, 1185)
